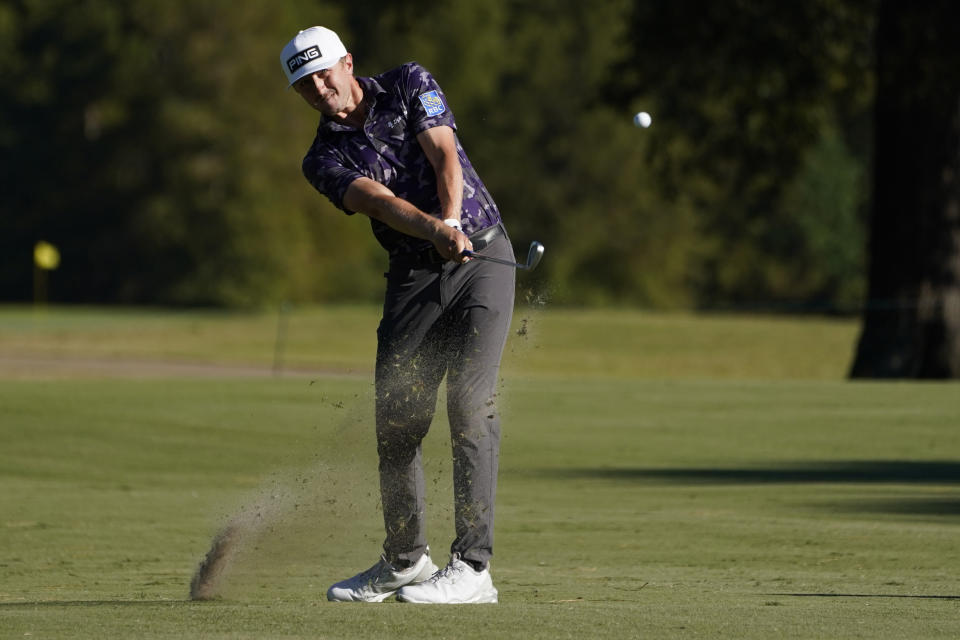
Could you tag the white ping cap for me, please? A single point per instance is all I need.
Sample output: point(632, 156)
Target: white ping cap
point(311, 50)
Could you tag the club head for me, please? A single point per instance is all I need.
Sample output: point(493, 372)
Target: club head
point(534, 255)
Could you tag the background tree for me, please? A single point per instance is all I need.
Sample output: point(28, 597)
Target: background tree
point(912, 320)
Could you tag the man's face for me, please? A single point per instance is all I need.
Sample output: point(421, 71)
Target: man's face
point(328, 91)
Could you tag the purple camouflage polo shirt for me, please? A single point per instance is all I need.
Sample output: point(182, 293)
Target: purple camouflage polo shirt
point(401, 103)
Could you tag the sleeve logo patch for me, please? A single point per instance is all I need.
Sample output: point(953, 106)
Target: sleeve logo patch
point(432, 102)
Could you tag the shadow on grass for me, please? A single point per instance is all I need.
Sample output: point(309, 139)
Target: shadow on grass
point(858, 471)
point(915, 473)
point(906, 506)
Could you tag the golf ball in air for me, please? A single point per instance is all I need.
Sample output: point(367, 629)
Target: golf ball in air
point(642, 120)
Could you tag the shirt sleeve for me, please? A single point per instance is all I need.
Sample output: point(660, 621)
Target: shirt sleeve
point(426, 102)
point(328, 175)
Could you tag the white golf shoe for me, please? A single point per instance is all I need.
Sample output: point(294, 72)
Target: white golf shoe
point(381, 581)
point(457, 583)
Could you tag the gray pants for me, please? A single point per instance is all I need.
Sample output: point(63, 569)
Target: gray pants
point(443, 319)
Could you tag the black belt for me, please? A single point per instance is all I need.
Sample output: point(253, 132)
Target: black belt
point(429, 256)
point(485, 237)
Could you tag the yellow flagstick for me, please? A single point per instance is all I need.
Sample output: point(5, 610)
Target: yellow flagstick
point(46, 258)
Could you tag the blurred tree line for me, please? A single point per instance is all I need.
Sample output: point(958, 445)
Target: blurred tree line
point(154, 144)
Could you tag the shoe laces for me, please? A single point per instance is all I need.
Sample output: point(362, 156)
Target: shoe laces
point(454, 568)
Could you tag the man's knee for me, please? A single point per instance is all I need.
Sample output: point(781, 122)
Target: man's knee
point(401, 427)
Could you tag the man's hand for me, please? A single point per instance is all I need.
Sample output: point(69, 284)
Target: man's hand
point(451, 243)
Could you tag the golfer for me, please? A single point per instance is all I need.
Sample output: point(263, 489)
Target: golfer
point(387, 147)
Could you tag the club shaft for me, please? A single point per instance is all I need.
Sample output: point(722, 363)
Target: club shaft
point(478, 256)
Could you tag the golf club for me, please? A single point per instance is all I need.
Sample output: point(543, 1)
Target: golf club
point(533, 257)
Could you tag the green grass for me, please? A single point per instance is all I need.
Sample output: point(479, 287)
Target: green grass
point(609, 343)
point(721, 499)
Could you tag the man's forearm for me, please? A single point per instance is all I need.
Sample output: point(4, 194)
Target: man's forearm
point(377, 201)
point(404, 217)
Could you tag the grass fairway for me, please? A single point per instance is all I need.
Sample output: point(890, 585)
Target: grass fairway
point(662, 476)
